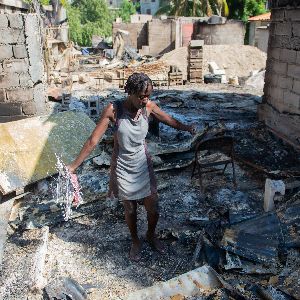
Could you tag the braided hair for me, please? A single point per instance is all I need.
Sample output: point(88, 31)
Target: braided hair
point(137, 82)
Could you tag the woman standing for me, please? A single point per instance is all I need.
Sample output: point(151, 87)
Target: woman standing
point(132, 177)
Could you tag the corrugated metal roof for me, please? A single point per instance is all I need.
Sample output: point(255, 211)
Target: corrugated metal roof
point(197, 281)
point(263, 17)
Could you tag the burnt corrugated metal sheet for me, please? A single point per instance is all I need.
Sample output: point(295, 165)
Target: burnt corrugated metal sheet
point(194, 282)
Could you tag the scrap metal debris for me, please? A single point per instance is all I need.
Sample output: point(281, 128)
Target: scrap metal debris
point(197, 282)
point(224, 228)
point(65, 289)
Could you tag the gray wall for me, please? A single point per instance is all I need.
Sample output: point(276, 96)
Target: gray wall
point(262, 38)
point(22, 89)
point(12, 6)
point(138, 35)
point(232, 32)
point(280, 109)
point(161, 36)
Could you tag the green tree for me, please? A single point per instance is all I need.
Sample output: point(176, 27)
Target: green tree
point(126, 10)
point(254, 8)
point(75, 26)
point(88, 18)
point(243, 9)
point(185, 8)
point(193, 8)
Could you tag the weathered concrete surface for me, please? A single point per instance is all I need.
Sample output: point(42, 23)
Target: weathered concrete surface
point(28, 147)
point(23, 256)
point(281, 102)
point(33, 41)
point(5, 209)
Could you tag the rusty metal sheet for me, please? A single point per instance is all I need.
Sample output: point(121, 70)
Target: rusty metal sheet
point(188, 284)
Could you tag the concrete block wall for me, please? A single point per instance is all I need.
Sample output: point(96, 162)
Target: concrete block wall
point(22, 88)
point(280, 109)
point(137, 33)
point(230, 33)
point(161, 36)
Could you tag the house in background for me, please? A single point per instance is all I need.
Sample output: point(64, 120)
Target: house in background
point(114, 4)
point(259, 31)
point(149, 7)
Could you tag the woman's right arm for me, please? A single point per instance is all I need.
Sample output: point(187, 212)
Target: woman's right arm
point(106, 116)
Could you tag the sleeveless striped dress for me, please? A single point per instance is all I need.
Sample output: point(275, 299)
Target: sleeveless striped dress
point(131, 174)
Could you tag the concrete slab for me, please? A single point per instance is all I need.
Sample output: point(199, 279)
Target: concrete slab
point(28, 147)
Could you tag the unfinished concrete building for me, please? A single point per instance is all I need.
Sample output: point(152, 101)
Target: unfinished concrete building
point(22, 90)
point(281, 101)
point(158, 36)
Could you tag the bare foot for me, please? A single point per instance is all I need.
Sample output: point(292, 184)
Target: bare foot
point(135, 251)
point(156, 244)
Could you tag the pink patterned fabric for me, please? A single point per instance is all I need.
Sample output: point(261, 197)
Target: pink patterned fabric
point(76, 187)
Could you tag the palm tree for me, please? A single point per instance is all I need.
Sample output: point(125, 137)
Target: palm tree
point(192, 8)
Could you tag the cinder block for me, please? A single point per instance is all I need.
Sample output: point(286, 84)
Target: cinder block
point(293, 71)
point(292, 14)
point(281, 41)
point(15, 21)
point(12, 36)
point(15, 66)
point(296, 29)
point(20, 95)
point(6, 52)
point(212, 66)
point(288, 56)
point(33, 41)
point(296, 86)
point(291, 99)
point(277, 15)
point(25, 80)
point(20, 51)
point(29, 108)
point(279, 67)
point(4, 119)
point(2, 95)
point(10, 109)
point(285, 82)
point(283, 29)
point(276, 93)
point(39, 97)
point(3, 21)
point(273, 80)
point(275, 53)
point(9, 80)
point(298, 58)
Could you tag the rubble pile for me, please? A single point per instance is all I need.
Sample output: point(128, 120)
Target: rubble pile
point(237, 61)
point(220, 235)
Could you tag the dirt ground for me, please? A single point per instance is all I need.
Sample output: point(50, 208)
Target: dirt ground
point(236, 61)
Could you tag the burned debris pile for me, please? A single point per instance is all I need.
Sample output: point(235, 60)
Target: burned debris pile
point(224, 242)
